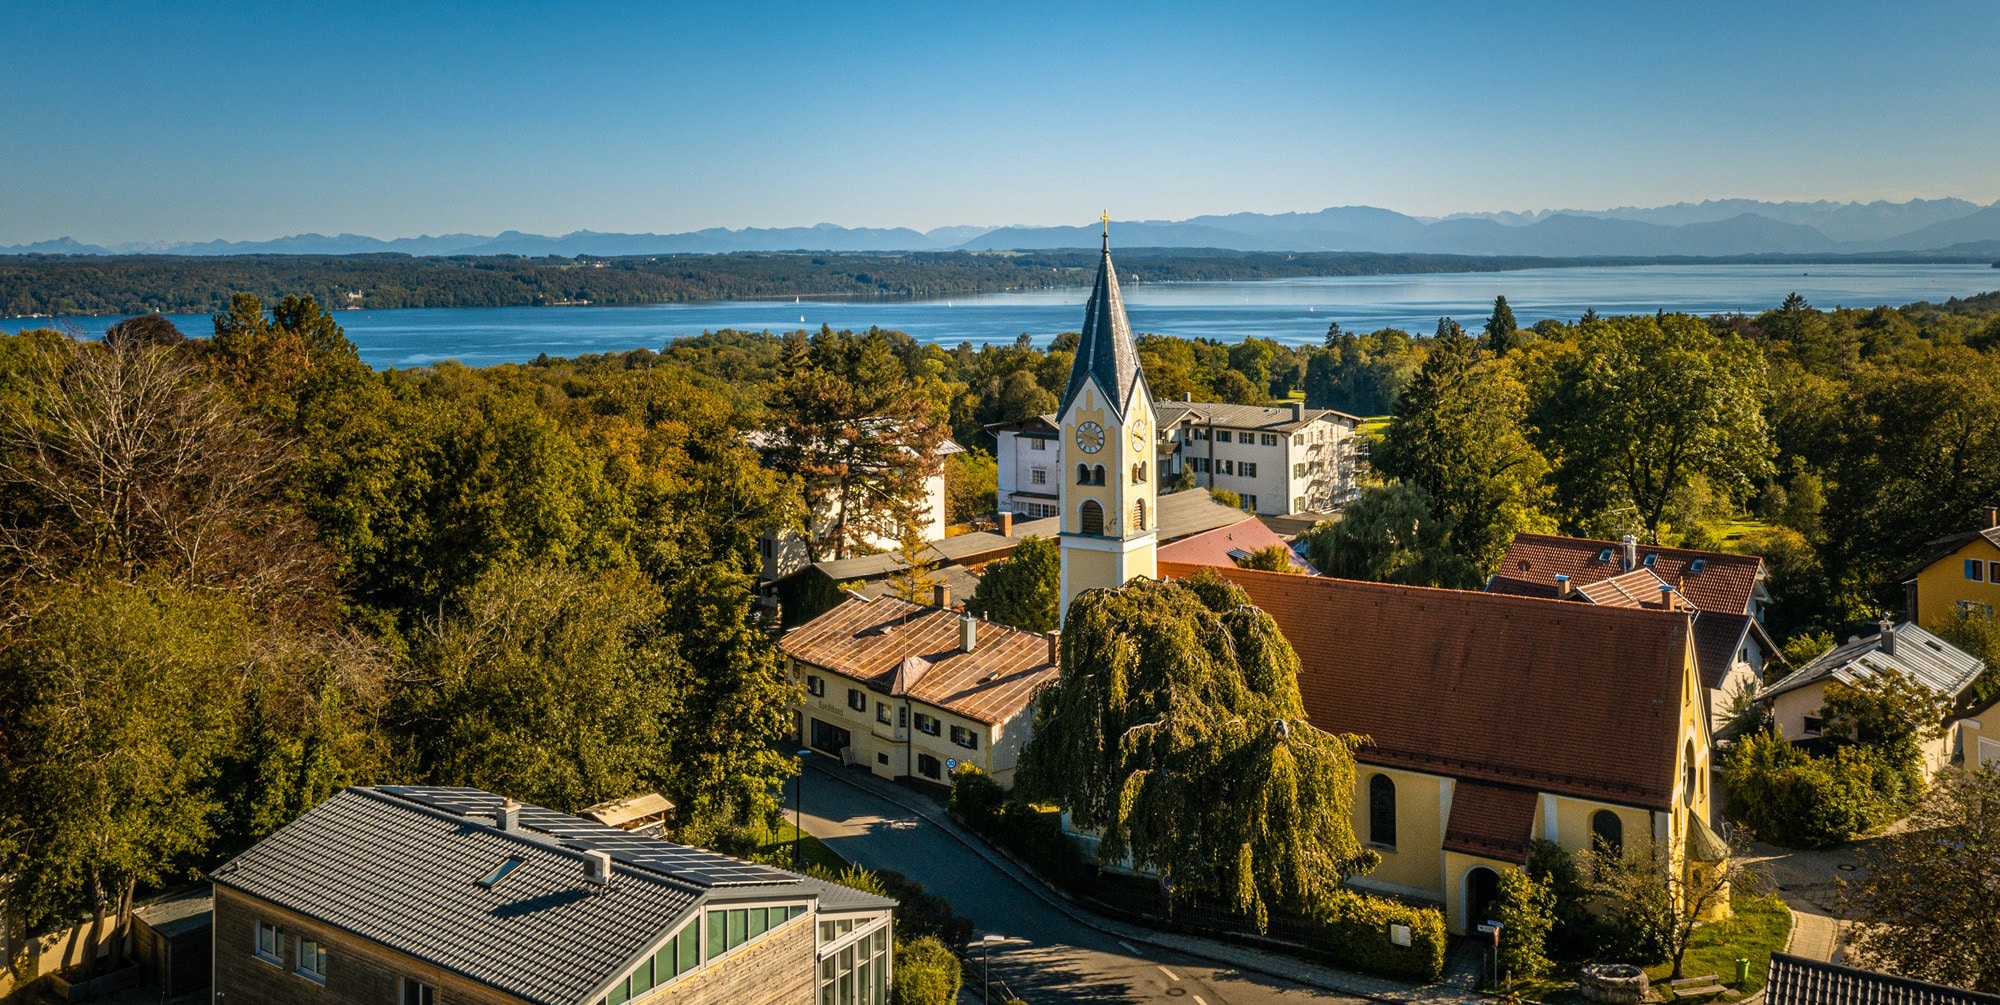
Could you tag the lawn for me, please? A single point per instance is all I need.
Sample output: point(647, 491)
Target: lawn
point(1759, 929)
point(775, 845)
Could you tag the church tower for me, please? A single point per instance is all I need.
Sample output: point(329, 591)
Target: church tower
point(1110, 503)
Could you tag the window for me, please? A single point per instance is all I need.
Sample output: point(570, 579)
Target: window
point(270, 943)
point(766, 546)
point(1038, 476)
point(681, 954)
point(1090, 518)
point(881, 712)
point(815, 686)
point(1969, 608)
point(1139, 515)
point(1697, 565)
point(1993, 572)
point(965, 738)
point(1299, 440)
point(1652, 557)
point(1975, 570)
point(416, 992)
point(857, 699)
point(499, 873)
point(902, 716)
point(1607, 834)
point(1083, 474)
point(1298, 504)
point(1382, 811)
point(311, 963)
point(1249, 504)
point(1222, 436)
point(927, 724)
point(1038, 444)
point(1097, 475)
point(1813, 725)
point(928, 766)
point(1247, 469)
point(1139, 473)
point(881, 758)
point(1198, 463)
point(1299, 470)
point(1604, 556)
point(1269, 439)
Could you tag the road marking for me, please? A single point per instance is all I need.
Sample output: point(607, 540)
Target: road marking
point(1170, 974)
point(1198, 1001)
point(1130, 948)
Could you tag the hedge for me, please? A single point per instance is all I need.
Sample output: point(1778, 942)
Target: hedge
point(1356, 928)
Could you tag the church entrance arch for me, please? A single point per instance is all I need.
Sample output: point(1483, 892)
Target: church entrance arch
point(1482, 888)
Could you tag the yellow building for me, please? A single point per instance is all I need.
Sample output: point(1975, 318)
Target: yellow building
point(1979, 737)
point(1108, 500)
point(1494, 721)
point(1960, 574)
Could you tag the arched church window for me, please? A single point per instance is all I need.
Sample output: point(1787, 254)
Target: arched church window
point(1097, 475)
point(1083, 474)
point(1382, 811)
point(1091, 517)
point(1607, 834)
point(1139, 515)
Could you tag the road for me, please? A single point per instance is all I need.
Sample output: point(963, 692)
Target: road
point(1052, 958)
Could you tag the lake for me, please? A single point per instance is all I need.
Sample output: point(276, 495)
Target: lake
point(1290, 310)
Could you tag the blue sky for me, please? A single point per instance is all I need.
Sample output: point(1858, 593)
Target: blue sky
point(196, 120)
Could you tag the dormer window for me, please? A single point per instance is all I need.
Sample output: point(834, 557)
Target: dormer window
point(500, 872)
point(1604, 556)
point(1697, 565)
point(1651, 558)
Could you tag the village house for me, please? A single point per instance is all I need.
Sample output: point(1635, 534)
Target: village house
point(783, 551)
point(1495, 721)
point(420, 896)
point(1725, 592)
point(1958, 575)
point(910, 690)
point(1283, 459)
point(1916, 654)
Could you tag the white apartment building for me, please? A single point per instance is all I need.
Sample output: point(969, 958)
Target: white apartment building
point(1281, 459)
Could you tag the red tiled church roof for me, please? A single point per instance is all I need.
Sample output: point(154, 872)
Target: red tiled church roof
point(1542, 695)
point(1725, 583)
point(1491, 821)
point(1214, 547)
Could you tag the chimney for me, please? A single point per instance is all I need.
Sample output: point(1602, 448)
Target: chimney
point(1562, 586)
point(597, 867)
point(1992, 517)
point(1298, 411)
point(1006, 524)
point(1886, 641)
point(1187, 395)
point(509, 815)
point(968, 632)
point(941, 595)
point(1631, 552)
point(1054, 654)
point(1667, 598)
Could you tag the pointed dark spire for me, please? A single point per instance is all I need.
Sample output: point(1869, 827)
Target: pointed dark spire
point(1105, 352)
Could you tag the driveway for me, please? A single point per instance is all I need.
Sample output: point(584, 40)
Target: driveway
point(1052, 957)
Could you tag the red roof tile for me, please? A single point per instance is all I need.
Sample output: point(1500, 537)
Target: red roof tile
point(1549, 695)
point(1491, 821)
point(870, 640)
point(1725, 583)
point(1214, 547)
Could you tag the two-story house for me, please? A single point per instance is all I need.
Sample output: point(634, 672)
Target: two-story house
point(913, 690)
point(1283, 459)
point(1958, 575)
point(422, 896)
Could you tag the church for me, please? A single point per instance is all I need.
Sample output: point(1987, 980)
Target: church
point(1493, 721)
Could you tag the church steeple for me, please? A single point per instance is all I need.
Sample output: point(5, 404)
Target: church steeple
point(1105, 352)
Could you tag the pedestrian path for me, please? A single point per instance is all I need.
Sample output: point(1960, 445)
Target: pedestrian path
point(1461, 973)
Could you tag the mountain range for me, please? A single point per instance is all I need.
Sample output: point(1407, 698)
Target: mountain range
point(1725, 227)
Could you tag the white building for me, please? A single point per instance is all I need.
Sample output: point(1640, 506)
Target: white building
point(783, 552)
point(1281, 459)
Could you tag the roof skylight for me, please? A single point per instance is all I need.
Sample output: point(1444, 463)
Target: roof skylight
point(500, 872)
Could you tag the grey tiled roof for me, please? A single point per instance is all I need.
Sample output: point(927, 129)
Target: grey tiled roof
point(1276, 418)
point(1796, 981)
point(1105, 352)
point(401, 867)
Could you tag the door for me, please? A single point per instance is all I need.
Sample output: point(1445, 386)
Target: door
point(830, 738)
point(1482, 888)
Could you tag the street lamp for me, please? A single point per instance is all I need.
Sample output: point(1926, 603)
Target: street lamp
point(986, 944)
point(799, 810)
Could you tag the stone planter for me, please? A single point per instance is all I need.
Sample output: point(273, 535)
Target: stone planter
point(1613, 983)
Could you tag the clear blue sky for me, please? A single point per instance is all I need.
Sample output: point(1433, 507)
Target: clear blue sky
point(195, 120)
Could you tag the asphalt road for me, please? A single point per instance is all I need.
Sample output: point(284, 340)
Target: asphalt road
point(1049, 958)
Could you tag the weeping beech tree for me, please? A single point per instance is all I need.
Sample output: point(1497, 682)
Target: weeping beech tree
point(1176, 732)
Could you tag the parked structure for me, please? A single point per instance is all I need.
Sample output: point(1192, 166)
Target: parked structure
point(420, 896)
point(1726, 593)
point(909, 690)
point(1793, 980)
point(1958, 575)
point(1918, 655)
point(1497, 720)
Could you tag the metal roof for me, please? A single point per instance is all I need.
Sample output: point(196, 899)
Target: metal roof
point(1793, 980)
point(1918, 655)
point(401, 866)
point(1105, 353)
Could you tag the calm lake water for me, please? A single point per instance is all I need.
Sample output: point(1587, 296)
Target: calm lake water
point(1291, 310)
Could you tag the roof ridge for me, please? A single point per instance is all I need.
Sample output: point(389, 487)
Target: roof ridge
point(1448, 591)
point(1643, 546)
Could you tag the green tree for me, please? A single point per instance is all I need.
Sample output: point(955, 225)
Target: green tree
point(918, 577)
point(1636, 407)
point(1271, 558)
point(1886, 711)
point(1660, 897)
point(1977, 633)
point(971, 485)
point(1525, 910)
point(1025, 590)
point(1176, 732)
point(117, 704)
point(1930, 907)
point(1502, 334)
point(1390, 534)
point(926, 973)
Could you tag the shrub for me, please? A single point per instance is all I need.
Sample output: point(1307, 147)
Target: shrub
point(921, 914)
point(1356, 929)
point(926, 973)
point(1226, 497)
point(1037, 836)
point(1526, 912)
point(1803, 802)
point(976, 798)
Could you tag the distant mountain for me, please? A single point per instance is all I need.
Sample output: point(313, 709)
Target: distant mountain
point(1713, 228)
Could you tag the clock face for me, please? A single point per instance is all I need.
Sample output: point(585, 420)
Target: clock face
point(1090, 437)
point(1139, 437)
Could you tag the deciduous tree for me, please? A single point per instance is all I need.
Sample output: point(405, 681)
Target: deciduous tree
point(1025, 590)
point(1928, 907)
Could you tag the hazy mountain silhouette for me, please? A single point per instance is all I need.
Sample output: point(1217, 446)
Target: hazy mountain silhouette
point(1715, 227)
